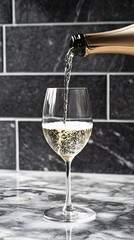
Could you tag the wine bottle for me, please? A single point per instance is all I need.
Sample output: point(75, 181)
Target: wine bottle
point(119, 41)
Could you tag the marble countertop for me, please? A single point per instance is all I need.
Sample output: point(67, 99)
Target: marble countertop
point(25, 195)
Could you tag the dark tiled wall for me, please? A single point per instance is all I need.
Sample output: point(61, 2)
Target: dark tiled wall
point(34, 38)
point(28, 48)
point(69, 11)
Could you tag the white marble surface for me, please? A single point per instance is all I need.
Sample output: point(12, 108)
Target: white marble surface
point(24, 196)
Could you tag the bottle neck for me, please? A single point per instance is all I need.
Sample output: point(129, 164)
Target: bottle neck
point(117, 41)
point(78, 43)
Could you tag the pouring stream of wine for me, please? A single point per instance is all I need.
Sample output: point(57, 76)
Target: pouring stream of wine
point(67, 74)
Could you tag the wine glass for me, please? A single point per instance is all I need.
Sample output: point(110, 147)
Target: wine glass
point(67, 127)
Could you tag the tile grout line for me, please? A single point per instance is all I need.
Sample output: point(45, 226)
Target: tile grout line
point(62, 73)
point(114, 120)
point(17, 145)
point(108, 97)
point(17, 120)
point(13, 12)
point(4, 49)
point(120, 73)
point(63, 23)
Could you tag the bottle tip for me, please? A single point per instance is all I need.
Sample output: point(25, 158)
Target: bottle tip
point(77, 42)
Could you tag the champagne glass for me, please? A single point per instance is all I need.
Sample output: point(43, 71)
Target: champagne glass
point(67, 137)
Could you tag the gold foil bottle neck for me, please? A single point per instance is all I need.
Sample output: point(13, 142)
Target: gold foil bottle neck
point(119, 41)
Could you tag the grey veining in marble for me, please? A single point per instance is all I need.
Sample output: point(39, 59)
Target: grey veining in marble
point(122, 97)
point(7, 145)
point(5, 11)
point(43, 49)
point(23, 96)
point(110, 149)
point(25, 195)
point(72, 11)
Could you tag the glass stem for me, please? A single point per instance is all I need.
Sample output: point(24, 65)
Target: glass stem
point(69, 233)
point(68, 207)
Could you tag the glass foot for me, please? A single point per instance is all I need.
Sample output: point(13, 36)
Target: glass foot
point(79, 214)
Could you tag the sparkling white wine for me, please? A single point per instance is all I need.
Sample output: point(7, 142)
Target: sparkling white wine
point(67, 140)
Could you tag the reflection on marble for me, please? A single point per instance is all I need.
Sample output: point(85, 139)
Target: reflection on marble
point(122, 96)
point(43, 48)
point(72, 11)
point(25, 195)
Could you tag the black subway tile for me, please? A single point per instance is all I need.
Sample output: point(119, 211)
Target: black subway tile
point(7, 145)
point(73, 11)
point(23, 96)
point(5, 11)
point(97, 92)
point(110, 150)
point(43, 49)
point(122, 97)
point(35, 154)
point(1, 50)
